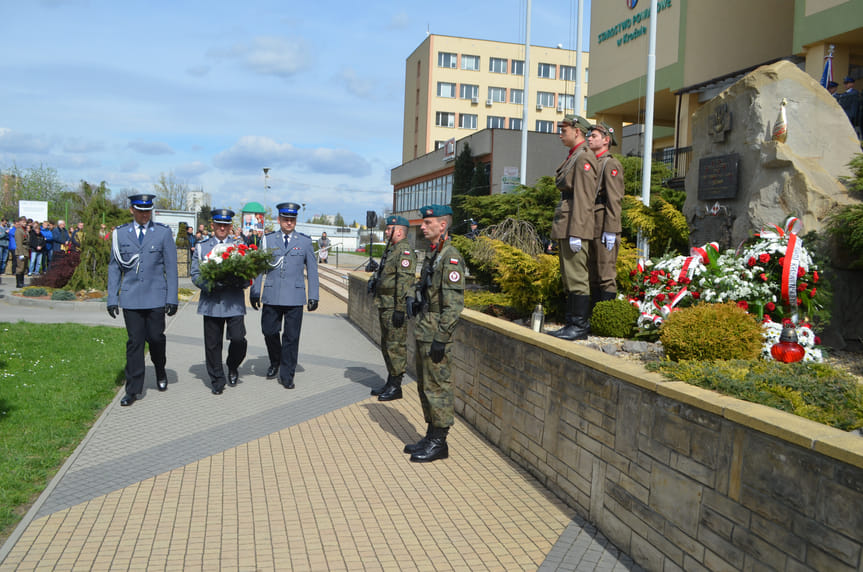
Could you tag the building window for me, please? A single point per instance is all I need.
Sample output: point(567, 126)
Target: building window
point(467, 121)
point(497, 94)
point(515, 123)
point(497, 65)
point(545, 98)
point(584, 105)
point(517, 67)
point(586, 70)
point(565, 102)
point(495, 122)
point(567, 73)
point(444, 119)
point(468, 91)
point(547, 71)
point(470, 62)
point(446, 60)
point(545, 126)
point(516, 96)
point(445, 89)
point(439, 144)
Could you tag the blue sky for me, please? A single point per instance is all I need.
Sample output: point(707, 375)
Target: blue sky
point(215, 91)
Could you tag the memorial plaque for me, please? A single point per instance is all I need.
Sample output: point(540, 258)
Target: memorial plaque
point(717, 177)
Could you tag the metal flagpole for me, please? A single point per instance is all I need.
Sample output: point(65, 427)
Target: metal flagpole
point(579, 72)
point(524, 98)
point(647, 155)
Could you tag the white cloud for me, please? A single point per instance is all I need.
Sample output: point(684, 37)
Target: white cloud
point(17, 142)
point(269, 55)
point(78, 145)
point(192, 169)
point(363, 87)
point(252, 153)
point(399, 21)
point(150, 148)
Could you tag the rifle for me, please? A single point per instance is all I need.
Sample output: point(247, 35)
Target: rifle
point(375, 279)
point(419, 303)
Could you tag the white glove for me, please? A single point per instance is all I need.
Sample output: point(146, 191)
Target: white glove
point(574, 243)
point(608, 239)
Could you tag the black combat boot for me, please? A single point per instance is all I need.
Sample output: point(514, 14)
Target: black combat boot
point(392, 390)
point(605, 296)
point(577, 318)
point(384, 387)
point(412, 447)
point(568, 319)
point(436, 447)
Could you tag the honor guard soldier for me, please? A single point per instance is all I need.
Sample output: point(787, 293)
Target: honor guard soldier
point(606, 214)
point(393, 282)
point(437, 303)
point(221, 304)
point(572, 227)
point(284, 293)
point(142, 279)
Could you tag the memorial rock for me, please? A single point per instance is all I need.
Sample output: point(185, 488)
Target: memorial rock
point(743, 179)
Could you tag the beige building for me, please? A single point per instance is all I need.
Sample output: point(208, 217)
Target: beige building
point(702, 47)
point(455, 87)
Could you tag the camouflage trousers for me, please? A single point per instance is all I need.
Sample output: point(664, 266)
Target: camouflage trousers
point(393, 343)
point(434, 386)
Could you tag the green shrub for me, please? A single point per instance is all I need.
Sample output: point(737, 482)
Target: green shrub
point(614, 318)
point(711, 331)
point(62, 295)
point(35, 292)
point(811, 390)
point(845, 226)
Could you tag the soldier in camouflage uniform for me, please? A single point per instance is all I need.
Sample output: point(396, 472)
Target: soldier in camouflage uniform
point(437, 305)
point(392, 283)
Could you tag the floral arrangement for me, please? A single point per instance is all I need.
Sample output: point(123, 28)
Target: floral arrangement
point(234, 265)
point(772, 277)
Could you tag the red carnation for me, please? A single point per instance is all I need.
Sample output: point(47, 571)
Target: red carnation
point(632, 273)
point(743, 304)
point(787, 322)
point(770, 306)
point(815, 276)
point(654, 280)
point(751, 261)
point(660, 297)
point(764, 258)
point(812, 292)
point(803, 286)
point(763, 277)
point(801, 272)
point(782, 261)
point(806, 325)
point(225, 256)
point(253, 247)
point(696, 295)
point(799, 301)
point(685, 280)
point(817, 341)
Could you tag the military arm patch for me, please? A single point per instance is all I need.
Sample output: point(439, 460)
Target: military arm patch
point(587, 166)
point(614, 172)
point(454, 276)
point(453, 260)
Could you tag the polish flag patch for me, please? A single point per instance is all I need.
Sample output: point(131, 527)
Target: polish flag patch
point(406, 252)
point(587, 166)
point(453, 260)
point(614, 172)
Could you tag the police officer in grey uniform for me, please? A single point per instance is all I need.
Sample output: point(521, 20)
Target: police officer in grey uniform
point(284, 293)
point(221, 304)
point(142, 279)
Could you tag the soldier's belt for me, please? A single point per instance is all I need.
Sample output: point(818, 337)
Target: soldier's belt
point(385, 291)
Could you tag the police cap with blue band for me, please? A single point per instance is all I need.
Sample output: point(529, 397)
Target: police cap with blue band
point(288, 209)
point(435, 211)
point(397, 220)
point(142, 202)
point(224, 216)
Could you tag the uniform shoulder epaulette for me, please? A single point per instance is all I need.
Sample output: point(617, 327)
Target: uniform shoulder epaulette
point(124, 225)
point(161, 224)
point(271, 233)
point(303, 234)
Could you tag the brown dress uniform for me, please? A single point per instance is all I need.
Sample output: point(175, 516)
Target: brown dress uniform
point(606, 218)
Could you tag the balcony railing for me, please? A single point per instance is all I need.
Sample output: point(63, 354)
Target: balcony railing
point(677, 159)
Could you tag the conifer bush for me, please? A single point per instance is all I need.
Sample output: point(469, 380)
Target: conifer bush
point(711, 332)
point(614, 319)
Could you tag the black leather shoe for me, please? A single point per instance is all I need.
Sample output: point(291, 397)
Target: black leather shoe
point(218, 390)
point(162, 384)
point(233, 378)
point(289, 385)
point(127, 400)
point(272, 372)
point(391, 393)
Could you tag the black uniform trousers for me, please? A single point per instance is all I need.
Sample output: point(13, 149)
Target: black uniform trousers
point(143, 326)
point(282, 352)
point(214, 331)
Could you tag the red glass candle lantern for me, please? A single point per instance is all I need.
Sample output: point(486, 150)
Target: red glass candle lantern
point(787, 350)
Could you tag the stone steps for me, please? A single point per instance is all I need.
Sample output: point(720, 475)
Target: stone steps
point(334, 281)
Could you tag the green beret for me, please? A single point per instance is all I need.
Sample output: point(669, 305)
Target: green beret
point(435, 211)
point(397, 220)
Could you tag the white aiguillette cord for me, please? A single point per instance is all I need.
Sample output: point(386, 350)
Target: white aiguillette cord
point(281, 259)
point(115, 246)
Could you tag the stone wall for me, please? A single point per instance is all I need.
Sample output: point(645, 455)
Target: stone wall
point(676, 476)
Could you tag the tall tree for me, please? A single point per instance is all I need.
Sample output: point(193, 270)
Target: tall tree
point(34, 184)
point(92, 271)
point(339, 220)
point(170, 193)
point(461, 186)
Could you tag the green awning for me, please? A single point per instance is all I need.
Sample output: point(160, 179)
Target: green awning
point(254, 207)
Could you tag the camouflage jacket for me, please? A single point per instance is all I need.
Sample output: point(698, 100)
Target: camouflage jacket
point(397, 277)
point(445, 295)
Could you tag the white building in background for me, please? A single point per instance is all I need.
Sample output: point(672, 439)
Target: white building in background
point(196, 199)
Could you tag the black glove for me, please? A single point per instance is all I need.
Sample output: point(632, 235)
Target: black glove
point(313, 305)
point(113, 311)
point(238, 282)
point(409, 306)
point(256, 302)
point(372, 286)
point(398, 319)
point(437, 351)
point(170, 309)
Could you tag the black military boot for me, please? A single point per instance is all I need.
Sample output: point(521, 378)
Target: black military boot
point(436, 447)
point(384, 387)
point(392, 390)
point(580, 327)
point(572, 329)
point(605, 296)
point(412, 447)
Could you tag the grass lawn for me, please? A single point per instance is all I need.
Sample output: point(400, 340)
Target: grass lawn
point(55, 380)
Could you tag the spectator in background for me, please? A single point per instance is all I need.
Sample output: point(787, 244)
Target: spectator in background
point(831, 87)
point(77, 238)
point(21, 239)
point(323, 248)
point(48, 233)
point(37, 249)
point(104, 233)
point(4, 245)
point(61, 238)
point(850, 103)
point(190, 234)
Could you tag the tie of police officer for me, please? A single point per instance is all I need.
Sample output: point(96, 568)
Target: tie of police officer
point(140, 233)
point(286, 241)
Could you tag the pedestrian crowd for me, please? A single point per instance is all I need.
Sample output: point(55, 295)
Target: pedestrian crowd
point(31, 246)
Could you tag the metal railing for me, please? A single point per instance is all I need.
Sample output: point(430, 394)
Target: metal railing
point(677, 159)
